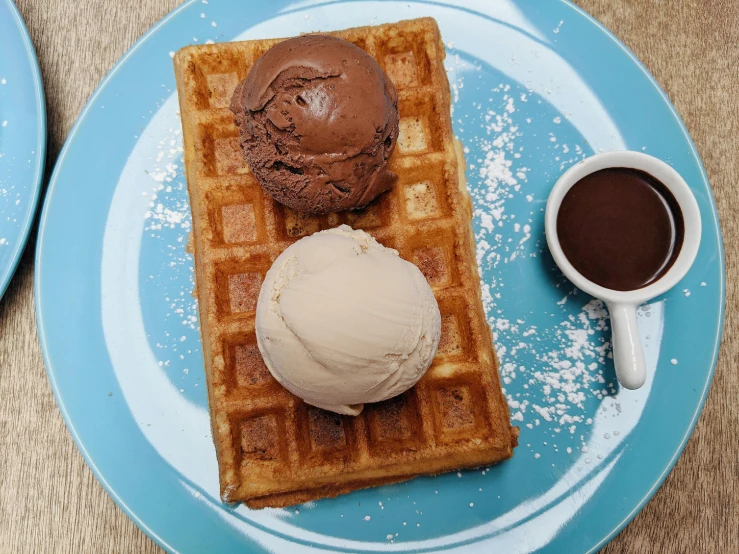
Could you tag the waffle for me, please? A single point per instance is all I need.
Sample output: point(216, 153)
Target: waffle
point(273, 449)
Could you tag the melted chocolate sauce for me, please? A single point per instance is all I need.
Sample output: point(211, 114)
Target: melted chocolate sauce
point(620, 228)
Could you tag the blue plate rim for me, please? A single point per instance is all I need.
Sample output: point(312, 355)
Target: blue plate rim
point(52, 186)
point(40, 161)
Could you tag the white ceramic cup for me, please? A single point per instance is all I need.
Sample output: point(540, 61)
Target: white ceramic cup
point(628, 355)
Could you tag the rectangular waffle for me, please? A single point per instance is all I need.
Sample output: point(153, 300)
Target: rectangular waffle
point(273, 449)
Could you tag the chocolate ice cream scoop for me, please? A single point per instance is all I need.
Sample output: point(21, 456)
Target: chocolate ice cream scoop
point(318, 119)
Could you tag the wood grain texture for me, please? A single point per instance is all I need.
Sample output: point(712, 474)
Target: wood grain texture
point(49, 499)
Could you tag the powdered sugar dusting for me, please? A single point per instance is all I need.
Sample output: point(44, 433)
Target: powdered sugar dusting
point(167, 225)
point(552, 374)
point(503, 176)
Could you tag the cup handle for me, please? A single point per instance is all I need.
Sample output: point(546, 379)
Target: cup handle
point(628, 355)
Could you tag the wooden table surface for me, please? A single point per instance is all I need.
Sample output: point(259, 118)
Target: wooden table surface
point(49, 499)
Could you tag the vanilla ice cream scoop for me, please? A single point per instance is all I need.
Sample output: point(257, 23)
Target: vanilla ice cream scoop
point(342, 321)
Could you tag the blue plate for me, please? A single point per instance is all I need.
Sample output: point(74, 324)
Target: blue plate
point(536, 87)
point(22, 138)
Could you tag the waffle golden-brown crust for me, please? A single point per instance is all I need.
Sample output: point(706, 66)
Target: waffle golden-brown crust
point(273, 449)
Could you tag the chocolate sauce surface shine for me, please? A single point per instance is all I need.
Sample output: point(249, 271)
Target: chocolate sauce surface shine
point(620, 228)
